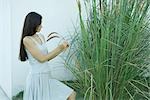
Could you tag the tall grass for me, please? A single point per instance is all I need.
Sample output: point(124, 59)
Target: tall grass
point(111, 50)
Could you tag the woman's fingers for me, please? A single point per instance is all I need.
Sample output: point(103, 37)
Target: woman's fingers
point(56, 35)
point(65, 44)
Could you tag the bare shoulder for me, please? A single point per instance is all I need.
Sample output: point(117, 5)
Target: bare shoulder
point(27, 40)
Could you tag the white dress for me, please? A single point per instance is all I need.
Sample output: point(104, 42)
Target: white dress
point(39, 84)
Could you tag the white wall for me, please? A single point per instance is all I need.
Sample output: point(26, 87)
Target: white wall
point(5, 47)
point(58, 15)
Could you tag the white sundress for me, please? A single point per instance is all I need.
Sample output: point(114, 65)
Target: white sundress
point(39, 84)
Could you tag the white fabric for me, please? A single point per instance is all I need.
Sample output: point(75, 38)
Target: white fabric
point(39, 84)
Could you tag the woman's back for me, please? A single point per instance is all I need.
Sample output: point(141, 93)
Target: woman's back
point(36, 66)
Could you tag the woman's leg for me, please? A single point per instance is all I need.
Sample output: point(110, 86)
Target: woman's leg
point(72, 96)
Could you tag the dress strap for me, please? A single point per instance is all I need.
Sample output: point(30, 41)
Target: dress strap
point(40, 36)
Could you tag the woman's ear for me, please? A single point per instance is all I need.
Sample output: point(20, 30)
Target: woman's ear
point(38, 28)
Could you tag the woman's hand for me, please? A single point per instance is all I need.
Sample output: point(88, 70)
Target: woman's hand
point(65, 44)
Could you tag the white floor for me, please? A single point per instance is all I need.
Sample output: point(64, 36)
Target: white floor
point(3, 95)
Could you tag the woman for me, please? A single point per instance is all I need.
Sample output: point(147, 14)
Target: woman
point(39, 84)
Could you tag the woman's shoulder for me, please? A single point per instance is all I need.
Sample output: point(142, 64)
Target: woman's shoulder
point(27, 40)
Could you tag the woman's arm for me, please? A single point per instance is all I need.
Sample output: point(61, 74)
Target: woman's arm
point(35, 52)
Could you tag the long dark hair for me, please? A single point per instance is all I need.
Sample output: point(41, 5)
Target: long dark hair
point(32, 21)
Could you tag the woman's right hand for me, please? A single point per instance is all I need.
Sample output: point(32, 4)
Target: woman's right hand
point(65, 44)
